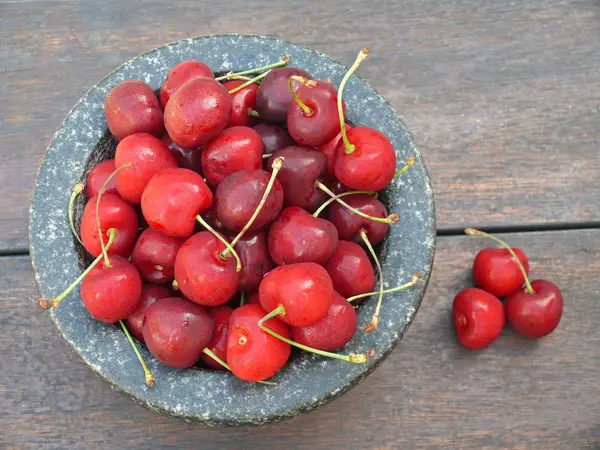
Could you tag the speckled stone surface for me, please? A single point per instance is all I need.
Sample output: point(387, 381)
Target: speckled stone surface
point(216, 398)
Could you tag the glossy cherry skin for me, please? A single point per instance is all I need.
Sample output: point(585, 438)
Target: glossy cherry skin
point(372, 164)
point(114, 213)
point(297, 237)
point(334, 331)
point(197, 112)
point(238, 196)
point(303, 289)
point(176, 331)
point(203, 276)
point(478, 317)
point(154, 255)
point(235, 149)
point(349, 223)
point(330, 151)
point(179, 75)
point(302, 166)
point(132, 107)
point(241, 102)
point(98, 176)
point(497, 272)
point(147, 155)
point(274, 137)
point(274, 98)
point(535, 315)
point(135, 320)
point(113, 293)
point(252, 354)
point(218, 343)
point(172, 200)
point(350, 270)
point(253, 251)
point(186, 157)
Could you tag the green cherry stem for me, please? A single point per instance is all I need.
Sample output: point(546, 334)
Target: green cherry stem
point(147, 372)
point(338, 196)
point(249, 82)
point(253, 113)
point(474, 232)
point(229, 246)
point(359, 59)
point(230, 75)
point(267, 155)
point(77, 189)
point(375, 319)
point(409, 163)
point(310, 83)
point(242, 298)
point(412, 282)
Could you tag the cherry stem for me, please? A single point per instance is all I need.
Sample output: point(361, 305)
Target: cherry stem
point(100, 194)
point(211, 354)
point(359, 59)
point(239, 77)
point(253, 113)
point(280, 310)
point(375, 319)
point(230, 75)
point(310, 83)
point(338, 196)
point(229, 246)
point(412, 282)
point(242, 298)
point(175, 285)
point(54, 302)
point(277, 165)
point(409, 163)
point(249, 82)
point(148, 374)
point(77, 189)
point(391, 219)
point(474, 232)
point(267, 155)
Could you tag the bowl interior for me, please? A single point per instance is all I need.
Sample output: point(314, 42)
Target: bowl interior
point(207, 396)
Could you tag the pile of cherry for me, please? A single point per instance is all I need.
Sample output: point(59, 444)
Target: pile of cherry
point(206, 225)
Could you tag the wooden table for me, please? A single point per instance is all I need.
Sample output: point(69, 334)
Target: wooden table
point(503, 99)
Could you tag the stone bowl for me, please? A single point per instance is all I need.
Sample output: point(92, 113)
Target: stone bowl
point(201, 395)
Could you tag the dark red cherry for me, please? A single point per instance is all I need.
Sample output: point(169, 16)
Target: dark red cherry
point(351, 270)
point(497, 272)
point(330, 151)
point(302, 166)
point(179, 74)
point(253, 354)
point(98, 176)
point(218, 343)
point(478, 317)
point(197, 112)
point(273, 98)
point(297, 237)
point(349, 223)
point(172, 200)
point(334, 331)
point(114, 213)
point(186, 158)
point(252, 248)
point(154, 255)
point(236, 148)
point(203, 276)
point(303, 289)
point(135, 320)
point(274, 137)
point(176, 331)
point(147, 155)
point(537, 314)
point(238, 196)
point(253, 299)
point(242, 101)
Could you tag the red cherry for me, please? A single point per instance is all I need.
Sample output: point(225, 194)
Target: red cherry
point(203, 276)
point(274, 98)
point(334, 331)
point(274, 137)
point(154, 255)
point(218, 344)
point(242, 101)
point(252, 354)
point(186, 158)
point(179, 74)
point(297, 237)
point(172, 200)
point(98, 175)
point(349, 223)
point(535, 314)
point(176, 331)
point(304, 291)
point(330, 151)
point(252, 248)
point(135, 320)
point(351, 270)
point(235, 149)
point(478, 317)
point(132, 107)
point(496, 271)
point(147, 156)
point(197, 112)
point(114, 213)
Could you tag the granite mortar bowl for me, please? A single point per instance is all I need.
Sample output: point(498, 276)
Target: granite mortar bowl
point(206, 396)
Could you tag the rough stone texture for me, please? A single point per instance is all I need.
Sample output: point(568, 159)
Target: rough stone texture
point(216, 398)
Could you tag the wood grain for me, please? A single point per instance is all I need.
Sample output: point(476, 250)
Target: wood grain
point(502, 97)
point(429, 394)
